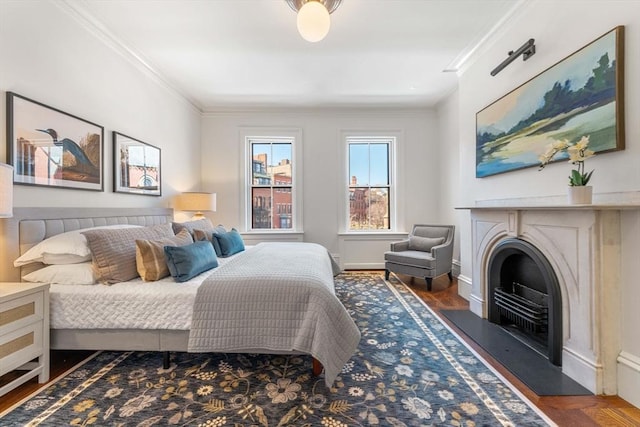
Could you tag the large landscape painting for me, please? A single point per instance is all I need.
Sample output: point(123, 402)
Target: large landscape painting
point(581, 95)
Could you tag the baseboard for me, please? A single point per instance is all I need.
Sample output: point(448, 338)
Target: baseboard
point(582, 371)
point(629, 378)
point(455, 271)
point(464, 287)
point(456, 268)
point(363, 266)
point(476, 305)
point(336, 258)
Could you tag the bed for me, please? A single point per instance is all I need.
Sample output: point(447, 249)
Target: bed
point(258, 277)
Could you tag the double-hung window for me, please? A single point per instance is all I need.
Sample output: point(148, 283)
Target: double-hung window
point(370, 186)
point(271, 183)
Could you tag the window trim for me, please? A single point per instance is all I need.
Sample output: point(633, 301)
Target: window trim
point(246, 135)
point(393, 138)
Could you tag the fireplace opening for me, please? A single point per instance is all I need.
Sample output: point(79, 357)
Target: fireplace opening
point(524, 297)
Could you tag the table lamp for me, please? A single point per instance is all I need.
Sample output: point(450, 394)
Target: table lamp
point(196, 202)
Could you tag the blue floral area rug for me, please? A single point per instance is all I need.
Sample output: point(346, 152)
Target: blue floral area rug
point(410, 370)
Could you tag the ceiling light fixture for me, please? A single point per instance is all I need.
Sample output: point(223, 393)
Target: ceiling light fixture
point(313, 17)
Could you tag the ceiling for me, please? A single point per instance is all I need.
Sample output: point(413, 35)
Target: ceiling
point(228, 54)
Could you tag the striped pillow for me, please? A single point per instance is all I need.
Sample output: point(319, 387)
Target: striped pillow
point(150, 260)
point(114, 251)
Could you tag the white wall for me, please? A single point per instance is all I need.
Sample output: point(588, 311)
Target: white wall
point(559, 28)
point(323, 172)
point(629, 357)
point(47, 55)
point(450, 183)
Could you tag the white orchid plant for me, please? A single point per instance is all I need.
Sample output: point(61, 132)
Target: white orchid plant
point(577, 152)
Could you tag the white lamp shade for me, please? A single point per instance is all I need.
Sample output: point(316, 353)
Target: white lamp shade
point(313, 21)
point(6, 191)
point(196, 201)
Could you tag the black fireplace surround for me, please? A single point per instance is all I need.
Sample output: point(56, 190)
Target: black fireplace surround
point(523, 290)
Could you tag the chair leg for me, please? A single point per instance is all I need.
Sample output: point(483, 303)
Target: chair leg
point(428, 279)
point(450, 276)
point(386, 274)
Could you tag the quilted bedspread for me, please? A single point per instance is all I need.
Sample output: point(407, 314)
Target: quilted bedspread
point(277, 297)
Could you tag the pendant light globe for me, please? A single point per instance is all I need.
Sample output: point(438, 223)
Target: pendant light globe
point(313, 21)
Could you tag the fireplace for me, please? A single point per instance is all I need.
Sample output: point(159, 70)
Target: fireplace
point(576, 253)
point(524, 297)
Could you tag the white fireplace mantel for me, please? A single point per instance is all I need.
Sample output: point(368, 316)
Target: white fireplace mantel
point(542, 207)
point(583, 244)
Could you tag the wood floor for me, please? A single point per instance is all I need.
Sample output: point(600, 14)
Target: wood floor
point(579, 411)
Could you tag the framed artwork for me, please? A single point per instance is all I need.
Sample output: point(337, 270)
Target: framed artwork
point(136, 166)
point(582, 95)
point(51, 148)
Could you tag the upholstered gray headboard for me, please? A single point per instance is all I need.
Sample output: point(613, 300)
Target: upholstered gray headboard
point(28, 226)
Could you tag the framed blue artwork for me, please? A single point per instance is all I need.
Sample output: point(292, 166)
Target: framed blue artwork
point(48, 147)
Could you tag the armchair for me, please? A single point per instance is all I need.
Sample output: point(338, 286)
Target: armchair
point(428, 253)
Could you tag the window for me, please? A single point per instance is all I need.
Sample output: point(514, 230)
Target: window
point(370, 185)
point(271, 183)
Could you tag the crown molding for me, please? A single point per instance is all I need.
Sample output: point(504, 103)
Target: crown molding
point(469, 55)
point(366, 111)
point(97, 28)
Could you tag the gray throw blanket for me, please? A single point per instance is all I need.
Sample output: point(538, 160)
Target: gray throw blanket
point(275, 298)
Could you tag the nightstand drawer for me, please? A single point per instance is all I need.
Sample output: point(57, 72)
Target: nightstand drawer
point(20, 312)
point(24, 332)
point(19, 346)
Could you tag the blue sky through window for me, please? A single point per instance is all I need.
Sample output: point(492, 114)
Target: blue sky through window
point(275, 152)
point(369, 163)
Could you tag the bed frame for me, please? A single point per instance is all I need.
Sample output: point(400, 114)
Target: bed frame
point(29, 226)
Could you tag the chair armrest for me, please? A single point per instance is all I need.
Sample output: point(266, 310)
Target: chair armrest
point(400, 246)
point(443, 254)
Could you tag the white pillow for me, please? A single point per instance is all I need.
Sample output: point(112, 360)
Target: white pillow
point(64, 248)
point(67, 274)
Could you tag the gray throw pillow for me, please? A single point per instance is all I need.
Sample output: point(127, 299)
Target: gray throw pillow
point(424, 244)
point(198, 224)
point(114, 250)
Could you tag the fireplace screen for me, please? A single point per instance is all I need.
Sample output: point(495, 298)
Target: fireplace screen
point(524, 294)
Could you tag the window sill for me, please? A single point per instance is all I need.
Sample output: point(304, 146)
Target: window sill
point(373, 233)
point(272, 233)
point(255, 237)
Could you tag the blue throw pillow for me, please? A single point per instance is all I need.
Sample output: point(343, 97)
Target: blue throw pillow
point(186, 262)
point(214, 241)
point(208, 235)
point(230, 242)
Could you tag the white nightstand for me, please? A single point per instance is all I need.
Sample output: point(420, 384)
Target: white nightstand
point(24, 332)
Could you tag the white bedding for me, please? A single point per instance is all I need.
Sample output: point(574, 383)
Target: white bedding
point(136, 304)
